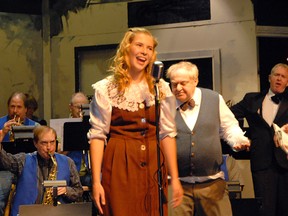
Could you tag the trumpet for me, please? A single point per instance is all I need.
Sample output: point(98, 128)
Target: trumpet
point(11, 132)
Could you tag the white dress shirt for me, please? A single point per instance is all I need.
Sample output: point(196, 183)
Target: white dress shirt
point(229, 129)
point(269, 108)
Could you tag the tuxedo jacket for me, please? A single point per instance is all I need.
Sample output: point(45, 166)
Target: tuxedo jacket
point(263, 153)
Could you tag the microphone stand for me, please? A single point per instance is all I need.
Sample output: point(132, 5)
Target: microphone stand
point(157, 116)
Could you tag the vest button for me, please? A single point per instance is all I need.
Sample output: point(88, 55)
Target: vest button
point(141, 105)
point(192, 132)
point(192, 154)
point(143, 147)
point(143, 164)
point(193, 144)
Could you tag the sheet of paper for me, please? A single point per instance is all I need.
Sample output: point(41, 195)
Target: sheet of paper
point(282, 137)
point(58, 125)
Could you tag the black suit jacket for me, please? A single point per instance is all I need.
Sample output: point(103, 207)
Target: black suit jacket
point(263, 152)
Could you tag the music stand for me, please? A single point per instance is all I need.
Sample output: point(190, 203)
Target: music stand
point(54, 184)
point(73, 209)
point(75, 136)
point(85, 109)
point(23, 140)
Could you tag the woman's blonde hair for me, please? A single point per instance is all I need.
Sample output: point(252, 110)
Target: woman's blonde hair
point(120, 64)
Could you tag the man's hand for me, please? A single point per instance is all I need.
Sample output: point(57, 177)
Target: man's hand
point(61, 190)
point(243, 145)
point(276, 140)
point(285, 128)
point(281, 138)
point(8, 126)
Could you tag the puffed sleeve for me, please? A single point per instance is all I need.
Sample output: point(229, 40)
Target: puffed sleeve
point(167, 124)
point(100, 111)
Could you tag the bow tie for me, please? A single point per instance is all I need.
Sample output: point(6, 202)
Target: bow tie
point(277, 98)
point(188, 103)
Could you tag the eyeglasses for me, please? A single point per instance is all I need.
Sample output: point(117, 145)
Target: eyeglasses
point(45, 143)
point(77, 107)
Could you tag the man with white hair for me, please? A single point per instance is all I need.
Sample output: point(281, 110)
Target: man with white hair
point(202, 119)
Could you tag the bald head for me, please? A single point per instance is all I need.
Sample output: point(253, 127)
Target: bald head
point(77, 100)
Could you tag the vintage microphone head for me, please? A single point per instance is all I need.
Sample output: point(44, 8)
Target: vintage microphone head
point(157, 70)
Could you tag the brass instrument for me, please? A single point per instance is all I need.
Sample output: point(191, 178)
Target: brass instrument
point(11, 132)
point(48, 195)
point(11, 136)
point(81, 114)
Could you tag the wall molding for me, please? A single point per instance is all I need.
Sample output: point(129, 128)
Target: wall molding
point(272, 31)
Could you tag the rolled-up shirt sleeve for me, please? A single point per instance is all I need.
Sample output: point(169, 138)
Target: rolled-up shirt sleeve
point(167, 124)
point(230, 130)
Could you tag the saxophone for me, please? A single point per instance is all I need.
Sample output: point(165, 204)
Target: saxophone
point(48, 194)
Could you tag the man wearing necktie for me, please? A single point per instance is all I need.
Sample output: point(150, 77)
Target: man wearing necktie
point(202, 119)
point(269, 164)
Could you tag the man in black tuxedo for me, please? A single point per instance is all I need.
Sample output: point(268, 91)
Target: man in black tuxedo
point(269, 164)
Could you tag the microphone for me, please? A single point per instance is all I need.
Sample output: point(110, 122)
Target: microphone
point(157, 70)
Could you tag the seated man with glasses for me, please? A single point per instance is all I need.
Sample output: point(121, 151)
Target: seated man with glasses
point(80, 158)
point(33, 169)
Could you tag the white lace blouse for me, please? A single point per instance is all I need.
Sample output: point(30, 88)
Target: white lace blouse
point(106, 96)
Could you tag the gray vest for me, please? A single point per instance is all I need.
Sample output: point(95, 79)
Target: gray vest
point(199, 151)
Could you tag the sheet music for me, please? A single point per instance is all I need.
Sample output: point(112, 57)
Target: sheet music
point(58, 125)
point(282, 138)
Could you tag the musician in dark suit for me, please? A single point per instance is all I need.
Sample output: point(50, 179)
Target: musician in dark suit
point(269, 164)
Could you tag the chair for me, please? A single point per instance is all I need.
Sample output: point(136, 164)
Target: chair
point(232, 176)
